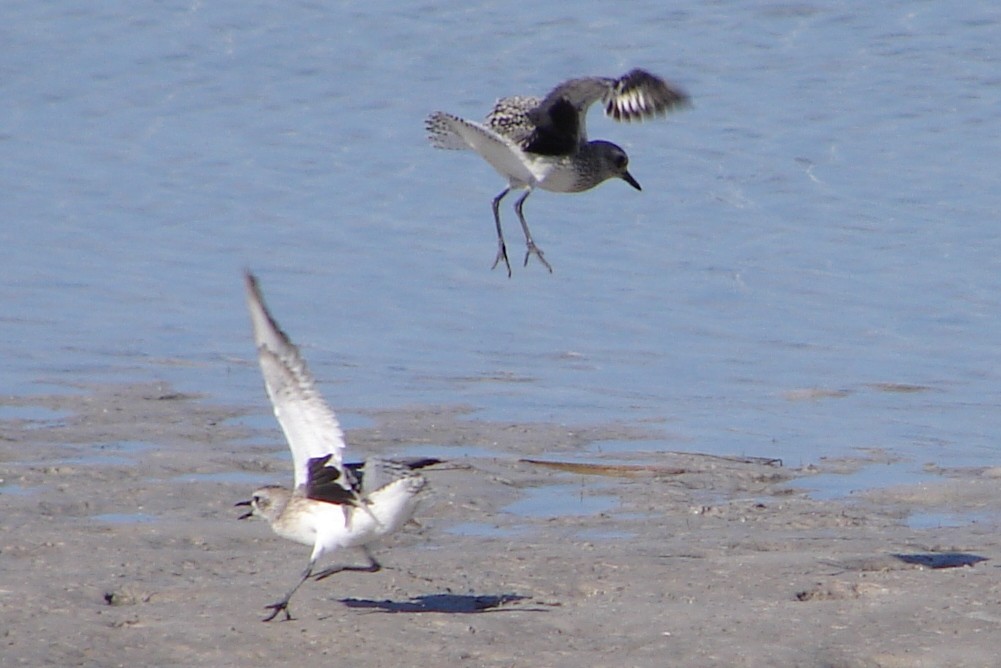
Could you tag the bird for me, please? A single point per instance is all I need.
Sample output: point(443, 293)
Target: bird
point(332, 504)
point(542, 143)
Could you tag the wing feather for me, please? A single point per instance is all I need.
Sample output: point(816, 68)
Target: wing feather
point(501, 152)
point(635, 96)
point(309, 424)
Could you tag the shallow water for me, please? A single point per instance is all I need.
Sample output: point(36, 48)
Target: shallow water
point(819, 229)
point(562, 500)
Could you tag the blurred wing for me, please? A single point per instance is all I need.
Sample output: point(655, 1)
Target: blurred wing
point(310, 426)
point(635, 96)
point(639, 95)
point(377, 473)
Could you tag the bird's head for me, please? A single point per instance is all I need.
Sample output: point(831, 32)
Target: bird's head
point(267, 502)
point(616, 162)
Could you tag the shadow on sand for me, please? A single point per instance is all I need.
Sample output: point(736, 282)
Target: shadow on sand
point(941, 559)
point(446, 603)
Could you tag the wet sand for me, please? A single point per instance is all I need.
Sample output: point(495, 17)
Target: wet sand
point(119, 545)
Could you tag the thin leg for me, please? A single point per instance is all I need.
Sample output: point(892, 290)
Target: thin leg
point(282, 605)
point(532, 249)
point(501, 248)
point(373, 567)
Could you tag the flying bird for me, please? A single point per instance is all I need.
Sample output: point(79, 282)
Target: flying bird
point(542, 143)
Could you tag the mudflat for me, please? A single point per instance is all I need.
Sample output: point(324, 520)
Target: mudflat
point(120, 545)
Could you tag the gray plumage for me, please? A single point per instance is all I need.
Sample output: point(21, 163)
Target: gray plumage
point(542, 142)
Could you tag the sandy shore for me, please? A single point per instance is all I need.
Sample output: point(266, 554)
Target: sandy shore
point(119, 545)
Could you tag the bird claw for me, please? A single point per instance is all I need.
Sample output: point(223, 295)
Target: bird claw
point(502, 255)
point(532, 249)
point(281, 606)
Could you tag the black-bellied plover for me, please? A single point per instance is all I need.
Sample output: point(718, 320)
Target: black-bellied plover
point(542, 143)
point(332, 505)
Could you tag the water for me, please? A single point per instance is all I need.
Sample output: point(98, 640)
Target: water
point(562, 500)
point(825, 217)
point(835, 486)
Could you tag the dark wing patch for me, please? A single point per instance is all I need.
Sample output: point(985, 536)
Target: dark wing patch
point(557, 129)
point(326, 483)
point(323, 483)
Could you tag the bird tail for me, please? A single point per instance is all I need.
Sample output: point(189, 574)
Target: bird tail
point(441, 132)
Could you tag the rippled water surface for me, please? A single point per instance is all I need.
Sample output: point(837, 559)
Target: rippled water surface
point(813, 266)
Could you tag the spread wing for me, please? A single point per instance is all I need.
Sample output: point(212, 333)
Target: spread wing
point(310, 426)
point(509, 117)
point(377, 473)
point(561, 118)
point(448, 131)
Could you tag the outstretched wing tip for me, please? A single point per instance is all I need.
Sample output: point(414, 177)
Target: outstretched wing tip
point(310, 426)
